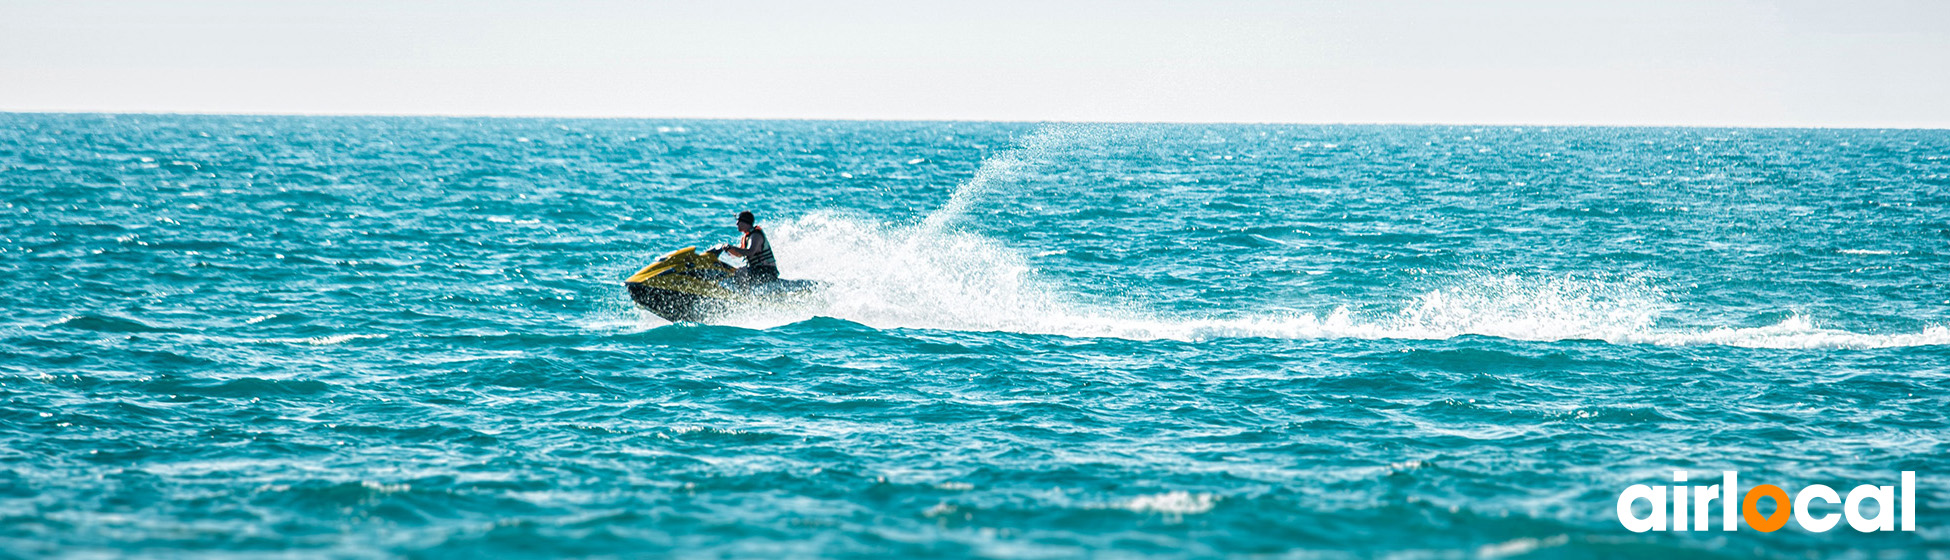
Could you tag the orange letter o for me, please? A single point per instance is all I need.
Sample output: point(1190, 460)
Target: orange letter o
point(1781, 508)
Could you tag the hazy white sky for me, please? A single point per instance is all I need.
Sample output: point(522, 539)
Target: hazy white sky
point(1688, 62)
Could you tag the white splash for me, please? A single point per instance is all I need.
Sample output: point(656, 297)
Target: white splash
point(905, 276)
point(1004, 166)
point(932, 275)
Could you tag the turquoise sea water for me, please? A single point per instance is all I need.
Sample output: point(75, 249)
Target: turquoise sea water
point(408, 336)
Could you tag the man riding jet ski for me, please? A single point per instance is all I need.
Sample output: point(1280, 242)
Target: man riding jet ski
point(760, 267)
point(688, 285)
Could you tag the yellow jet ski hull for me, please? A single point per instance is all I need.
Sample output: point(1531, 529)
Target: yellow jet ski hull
point(691, 286)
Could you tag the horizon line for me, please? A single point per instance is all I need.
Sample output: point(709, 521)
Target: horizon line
point(948, 120)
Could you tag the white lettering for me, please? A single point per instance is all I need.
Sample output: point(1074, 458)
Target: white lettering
point(1679, 501)
point(1885, 519)
point(1803, 516)
point(1703, 497)
point(1814, 507)
point(1729, 500)
point(1909, 500)
point(1656, 495)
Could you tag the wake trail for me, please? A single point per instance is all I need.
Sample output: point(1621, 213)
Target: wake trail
point(934, 275)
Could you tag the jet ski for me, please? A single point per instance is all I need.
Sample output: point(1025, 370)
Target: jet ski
point(688, 285)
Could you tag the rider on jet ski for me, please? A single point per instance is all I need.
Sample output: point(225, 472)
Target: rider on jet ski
point(691, 286)
point(760, 268)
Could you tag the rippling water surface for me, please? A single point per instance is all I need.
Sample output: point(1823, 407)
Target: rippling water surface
point(408, 336)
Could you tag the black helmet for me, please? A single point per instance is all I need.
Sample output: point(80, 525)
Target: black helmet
point(746, 217)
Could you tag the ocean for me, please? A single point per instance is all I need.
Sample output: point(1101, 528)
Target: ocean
point(245, 336)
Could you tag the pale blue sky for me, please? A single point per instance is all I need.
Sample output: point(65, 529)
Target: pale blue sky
point(1691, 62)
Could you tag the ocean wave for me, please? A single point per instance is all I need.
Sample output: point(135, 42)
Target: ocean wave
point(108, 324)
point(328, 340)
point(1178, 502)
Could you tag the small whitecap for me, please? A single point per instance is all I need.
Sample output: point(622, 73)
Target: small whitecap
point(1177, 502)
point(339, 339)
point(939, 510)
point(1520, 546)
point(385, 488)
point(323, 340)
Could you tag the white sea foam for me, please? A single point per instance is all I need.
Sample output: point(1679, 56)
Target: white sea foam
point(321, 340)
point(1177, 502)
point(1519, 547)
point(1794, 332)
point(902, 276)
point(933, 275)
point(906, 276)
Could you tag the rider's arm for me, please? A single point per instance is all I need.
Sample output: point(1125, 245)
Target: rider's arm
point(739, 250)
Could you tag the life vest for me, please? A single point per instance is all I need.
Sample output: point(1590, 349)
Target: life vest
point(759, 251)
